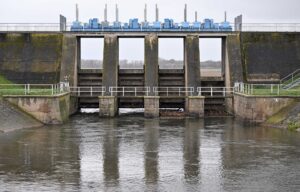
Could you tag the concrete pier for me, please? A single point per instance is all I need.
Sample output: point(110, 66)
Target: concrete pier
point(191, 65)
point(151, 106)
point(192, 62)
point(110, 62)
point(151, 62)
point(108, 106)
point(195, 106)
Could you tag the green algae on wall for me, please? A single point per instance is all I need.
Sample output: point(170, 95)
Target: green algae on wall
point(270, 53)
point(31, 57)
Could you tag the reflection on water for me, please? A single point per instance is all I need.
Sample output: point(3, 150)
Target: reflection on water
point(137, 154)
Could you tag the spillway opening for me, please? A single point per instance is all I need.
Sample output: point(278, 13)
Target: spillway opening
point(91, 53)
point(210, 57)
point(131, 53)
point(171, 53)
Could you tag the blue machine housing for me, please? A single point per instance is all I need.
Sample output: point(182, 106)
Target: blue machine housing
point(167, 25)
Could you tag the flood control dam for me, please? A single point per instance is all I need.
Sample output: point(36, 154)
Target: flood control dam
point(52, 57)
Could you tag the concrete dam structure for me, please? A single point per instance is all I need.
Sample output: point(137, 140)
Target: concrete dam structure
point(53, 57)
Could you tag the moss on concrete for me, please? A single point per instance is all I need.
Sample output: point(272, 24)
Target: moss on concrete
point(281, 115)
point(3, 80)
point(270, 53)
point(31, 57)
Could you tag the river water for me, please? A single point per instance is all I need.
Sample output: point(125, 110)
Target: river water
point(138, 154)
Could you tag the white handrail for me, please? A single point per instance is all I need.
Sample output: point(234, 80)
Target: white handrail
point(215, 90)
point(173, 90)
point(91, 91)
point(287, 78)
point(34, 89)
point(138, 91)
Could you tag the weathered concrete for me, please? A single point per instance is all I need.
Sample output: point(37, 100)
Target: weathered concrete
point(195, 106)
point(151, 106)
point(108, 106)
point(110, 62)
point(192, 62)
point(47, 109)
point(74, 105)
point(68, 69)
point(11, 118)
point(265, 54)
point(233, 61)
point(151, 62)
point(258, 108)
point(31, 57)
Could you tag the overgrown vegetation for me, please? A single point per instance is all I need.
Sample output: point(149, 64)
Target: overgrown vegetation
point(293, 126)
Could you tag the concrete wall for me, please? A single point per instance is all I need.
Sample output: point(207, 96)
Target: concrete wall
point(31, 57)
point(258, 108)
point(46, 109)
point(233, 61)
point(69, 62)
point(11, 118)
point(267, 54)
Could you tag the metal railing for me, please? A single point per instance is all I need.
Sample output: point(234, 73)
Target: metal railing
point(173, 91)
point(265, 90)
point(271, 27)
point(290, 79)
point(215, 91)
point(55, 27)
point(129, 91)
point(87, 91)
point(33, 89)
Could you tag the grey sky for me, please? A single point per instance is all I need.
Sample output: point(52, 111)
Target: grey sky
point(261, 11)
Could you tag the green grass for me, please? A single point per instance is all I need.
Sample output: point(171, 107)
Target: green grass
point(293, 126)
point(3, 80)
point(18, 91)
point(266, 91)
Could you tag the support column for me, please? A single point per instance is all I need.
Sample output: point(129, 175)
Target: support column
point(108, 106)
point(192, 62)
point(151, 62)
point(191, 65)
point(223, 63)
point(70, 59)
point(69, 65)
point(110, 62)
point(195, 106)
point(151, 106)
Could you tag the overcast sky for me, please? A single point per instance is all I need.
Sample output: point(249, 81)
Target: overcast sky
point(254, 11)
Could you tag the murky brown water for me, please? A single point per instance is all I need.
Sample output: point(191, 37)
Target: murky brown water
point(137, 154)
